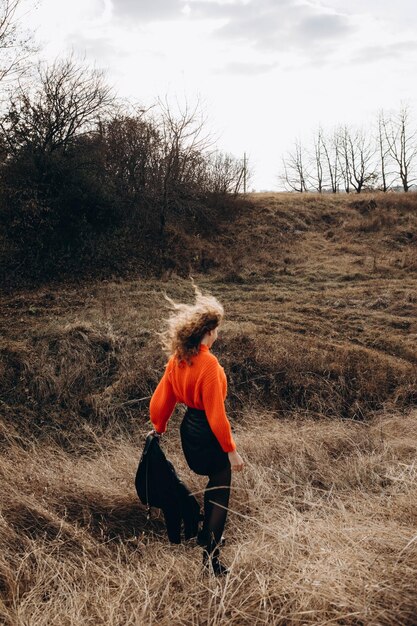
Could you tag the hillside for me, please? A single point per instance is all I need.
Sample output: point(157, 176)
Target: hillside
point(319, 345)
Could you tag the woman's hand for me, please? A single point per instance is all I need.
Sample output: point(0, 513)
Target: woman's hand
point(236, 461)
point(154, 433)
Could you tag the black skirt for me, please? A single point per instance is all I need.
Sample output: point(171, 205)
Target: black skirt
point(202, 450)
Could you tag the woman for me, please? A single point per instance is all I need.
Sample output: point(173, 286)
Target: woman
point(194, 377)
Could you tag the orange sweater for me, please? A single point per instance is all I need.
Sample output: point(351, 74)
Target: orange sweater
point(201, 385)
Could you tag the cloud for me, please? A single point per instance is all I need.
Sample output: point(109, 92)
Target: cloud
point(270, 25)
point(102, 49)
point(265, 25)
point(328, 26)
point(251, 28)
point(148, 10)
point(246, 69)
point(373, 54)
point(204, 9)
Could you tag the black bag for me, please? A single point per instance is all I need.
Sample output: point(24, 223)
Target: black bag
point(157, 484)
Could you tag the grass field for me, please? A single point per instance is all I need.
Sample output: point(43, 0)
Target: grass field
point(319, 346)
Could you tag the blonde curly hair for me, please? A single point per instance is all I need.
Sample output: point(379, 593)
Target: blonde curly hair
point(188, 323)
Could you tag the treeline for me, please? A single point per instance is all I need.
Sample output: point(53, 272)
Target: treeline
point(349, 159)
point(88, 182)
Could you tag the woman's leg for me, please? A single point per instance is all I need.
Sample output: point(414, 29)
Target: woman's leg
point(216, 501)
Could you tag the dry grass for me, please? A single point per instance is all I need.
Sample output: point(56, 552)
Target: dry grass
point(321, 529)
point(321, 304)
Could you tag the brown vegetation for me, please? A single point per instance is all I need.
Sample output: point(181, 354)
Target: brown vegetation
point(322, 527)
point(319, 348)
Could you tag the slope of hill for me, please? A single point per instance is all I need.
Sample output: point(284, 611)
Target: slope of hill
point(319, 345)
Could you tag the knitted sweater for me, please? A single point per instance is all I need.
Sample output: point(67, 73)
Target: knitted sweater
point(201, 385)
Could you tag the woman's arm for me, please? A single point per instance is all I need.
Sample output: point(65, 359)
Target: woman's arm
point(213, 402)
point(162, 404)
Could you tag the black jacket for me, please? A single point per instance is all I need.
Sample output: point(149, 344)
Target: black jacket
point(157, 484)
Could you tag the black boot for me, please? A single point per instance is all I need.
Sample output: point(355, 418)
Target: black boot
point(211, 560)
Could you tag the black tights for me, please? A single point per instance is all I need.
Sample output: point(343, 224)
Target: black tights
point(216, 501)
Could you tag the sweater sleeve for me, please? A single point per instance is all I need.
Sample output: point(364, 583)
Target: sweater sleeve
point(213, 402)
point(162, 403)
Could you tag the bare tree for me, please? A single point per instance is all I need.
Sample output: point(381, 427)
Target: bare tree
point(343, 154)
point(384, 153)
point(330, 147)
point(184, 140)
point(68, 100)
point(401, 138)
point(318, 155)
point(132, 146)
point(295, 174)
point(225, 173)
point(354, 158)
point(361, 158)
point(16, 46)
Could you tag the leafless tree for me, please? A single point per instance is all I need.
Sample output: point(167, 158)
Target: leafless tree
point(184, 142)
point(361, 156)
point(225, 173)
point(330, 149)
point(356, 159)
point(16, 46)
point(401, 138)
point(295, 175)
point(68, 100)
point(343, 153)
point(383, 150)
point(132, 147)
point(318, 176)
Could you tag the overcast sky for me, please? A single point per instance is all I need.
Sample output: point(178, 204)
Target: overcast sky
point(267, 71)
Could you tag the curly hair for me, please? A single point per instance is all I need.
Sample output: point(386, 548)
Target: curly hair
point(188, 323)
